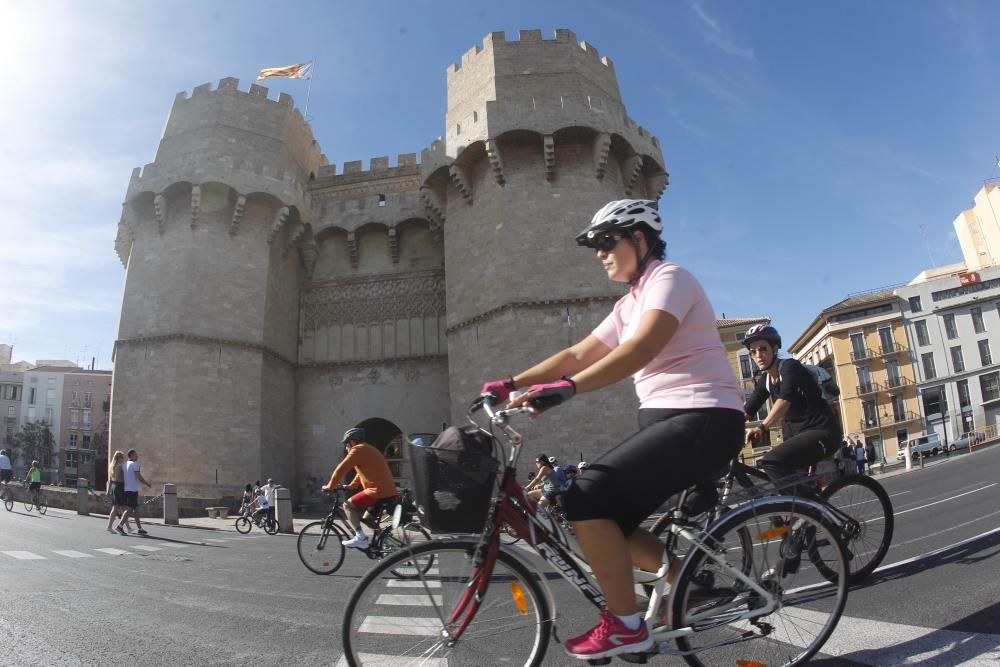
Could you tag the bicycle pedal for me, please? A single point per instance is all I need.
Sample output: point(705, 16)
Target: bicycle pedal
point(599, 661)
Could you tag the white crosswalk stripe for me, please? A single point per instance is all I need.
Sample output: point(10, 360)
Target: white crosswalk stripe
point(411, 583)
point(391, 660)
point(398, 625)
point(114, 552)
point(73, 554)
point(408, 600)
point(145, 548)
point(23, 555)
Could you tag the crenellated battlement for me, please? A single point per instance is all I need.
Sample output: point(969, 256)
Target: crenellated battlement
point(378, 168)
point(242, 175)
point(497, 42)
point(230, 86)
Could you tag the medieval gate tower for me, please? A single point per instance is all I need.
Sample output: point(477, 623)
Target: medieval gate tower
point(271, 302)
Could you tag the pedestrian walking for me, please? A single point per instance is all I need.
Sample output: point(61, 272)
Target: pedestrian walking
point(860, 457)
point(847, 456)
point(116, 489)
point(132, 479)
point(871, 455)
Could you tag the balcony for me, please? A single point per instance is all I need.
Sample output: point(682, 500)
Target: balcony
point(863, 354)
point(898, 382)
point(902, 418)
point(869, 388)
point(891, 349)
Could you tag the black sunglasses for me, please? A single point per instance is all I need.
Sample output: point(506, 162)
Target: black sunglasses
point(607, 242)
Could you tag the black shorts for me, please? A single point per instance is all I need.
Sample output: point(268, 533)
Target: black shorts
point(6, 475)
point(35, 486)
point(672, 450)
point(132, 499)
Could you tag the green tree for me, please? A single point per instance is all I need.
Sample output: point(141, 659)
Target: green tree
point(34, 442)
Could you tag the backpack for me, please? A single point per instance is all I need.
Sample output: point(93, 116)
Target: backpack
point(827, 385)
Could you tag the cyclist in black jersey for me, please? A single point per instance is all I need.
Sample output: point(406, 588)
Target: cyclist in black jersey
point(812, 430)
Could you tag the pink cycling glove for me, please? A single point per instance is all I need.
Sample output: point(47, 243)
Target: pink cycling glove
point(551, 394)
point(499, 388)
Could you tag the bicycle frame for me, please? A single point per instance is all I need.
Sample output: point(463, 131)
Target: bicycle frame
point(513, 506)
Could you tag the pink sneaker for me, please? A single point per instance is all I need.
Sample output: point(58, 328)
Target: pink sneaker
point(609, 638)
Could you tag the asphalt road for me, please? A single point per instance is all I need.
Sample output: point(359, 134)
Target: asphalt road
point(73, 594)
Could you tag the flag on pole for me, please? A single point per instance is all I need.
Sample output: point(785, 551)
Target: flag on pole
point(301, 71)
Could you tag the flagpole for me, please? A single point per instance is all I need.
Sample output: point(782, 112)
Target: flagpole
point(312, 71)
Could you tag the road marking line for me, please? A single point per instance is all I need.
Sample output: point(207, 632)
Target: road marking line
point(73, 554)
point(175, 545)
point(114, 552)
point(407, 583)
point(935, 552)
point(142, 548)
point(401, 625)
point(936, 502)
point(210, 540)
point(23, 555)
point(408, 600)
point(392, 660)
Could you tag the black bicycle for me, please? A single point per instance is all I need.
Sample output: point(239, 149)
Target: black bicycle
point(248, 520)
point(860, 505)
point(8, 497)
point(35, 499)
point(321, 543)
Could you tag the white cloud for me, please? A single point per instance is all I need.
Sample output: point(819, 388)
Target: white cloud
point(715, 36)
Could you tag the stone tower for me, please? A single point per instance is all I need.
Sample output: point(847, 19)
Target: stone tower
point(204, 383)
point(537, 139)
point(272, 302)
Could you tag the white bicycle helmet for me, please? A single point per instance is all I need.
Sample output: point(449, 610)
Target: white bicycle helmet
point(622, 214)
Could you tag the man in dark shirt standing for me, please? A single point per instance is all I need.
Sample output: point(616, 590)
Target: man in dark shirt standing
point(811, 430)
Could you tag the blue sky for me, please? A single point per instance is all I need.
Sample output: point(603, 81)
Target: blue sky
point(815, 149)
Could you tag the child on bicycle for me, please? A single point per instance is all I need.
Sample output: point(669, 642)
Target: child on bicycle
point(260, 506)
point(662, 333)
point(549, 482)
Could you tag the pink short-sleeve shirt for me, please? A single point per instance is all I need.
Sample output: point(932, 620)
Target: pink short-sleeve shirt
point(692, 370)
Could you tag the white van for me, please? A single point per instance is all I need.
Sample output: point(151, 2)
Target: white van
point(922, 445)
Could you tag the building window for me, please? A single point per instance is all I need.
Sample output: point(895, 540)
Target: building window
point(870, 413)
point(858, 350)
point(977, 320)
point(956, 359)
point(921, 329)
point(746, 369)
point(990, 386)
point(86, 442)
point(963, 393)
point(70, 459)
point(73, 437)
point(915, 304)
point(984, 352)
point(928, 360)
point(50, 397)
point(741, 336)
point(10, 411)
point(48, 416)
point(885, 339)
point(949, 326)
point(935, 402)
point(86, 419)
point(85, 457)
point(31, 413)
point(898, 408)
point(75, 399)
point(74, 418)
point(31, 395)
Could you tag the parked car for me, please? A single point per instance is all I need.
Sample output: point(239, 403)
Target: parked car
point(923, 445)
point(966, 439)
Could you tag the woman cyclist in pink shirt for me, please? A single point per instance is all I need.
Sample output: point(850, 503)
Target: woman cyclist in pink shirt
point(663, 334)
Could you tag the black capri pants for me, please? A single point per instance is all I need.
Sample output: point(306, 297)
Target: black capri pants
point(672, 450)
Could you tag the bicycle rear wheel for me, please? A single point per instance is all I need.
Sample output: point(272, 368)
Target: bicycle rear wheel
point(411, 533)
point(243, 525)
point(393, 622)
point(709, 597)
point(8, 501)
point(321, 546)
point(42, 504)
point(29, 504)
point(868, 525)
point(270, 526)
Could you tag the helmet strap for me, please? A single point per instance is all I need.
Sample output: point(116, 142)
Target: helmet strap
point(640, 267)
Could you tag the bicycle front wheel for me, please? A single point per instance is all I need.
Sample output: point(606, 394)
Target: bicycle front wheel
point(321, 546)
point(864, 506)
point(8, 501)
point(736, 624)
point(243, 525)
point(394, 622)
point(29, 504)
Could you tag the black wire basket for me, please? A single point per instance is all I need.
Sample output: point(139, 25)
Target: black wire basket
point(453, 479)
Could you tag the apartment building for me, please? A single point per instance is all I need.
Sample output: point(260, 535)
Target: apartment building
point(862, 342)
point(11, 389)
point(978, 228)
point(84, 424)
point(953, 325)
point(42, 400)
